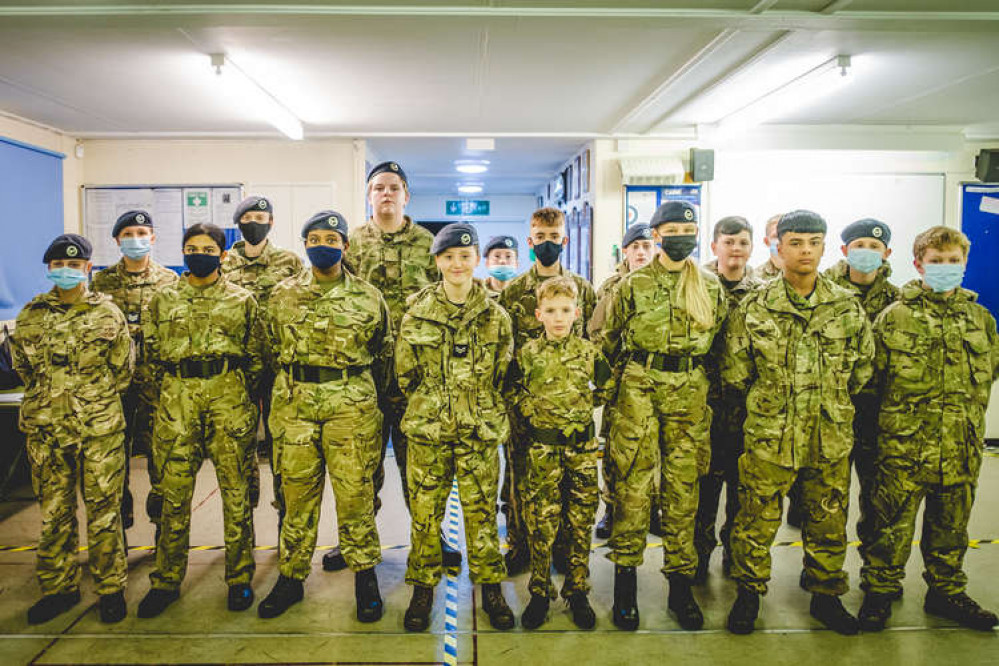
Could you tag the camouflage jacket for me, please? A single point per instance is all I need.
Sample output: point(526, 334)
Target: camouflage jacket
point(451, 361)
point(557, 383)
point(132, 293)
point(767, 271)
point(604, 296)
point(880, 295)
point(520, 300)
point(341, 326)
point(801, 360)
point(260, 274)
point(398, 264)
point(221, 319)
point(937, 357)
point(733, 296)
point(76, 360)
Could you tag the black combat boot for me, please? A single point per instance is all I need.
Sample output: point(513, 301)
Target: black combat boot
point(829, 610)
point(334, 560)
point(682, 603)
point(655, 522)
point(875, 611)
point(285, 593)
point(606, 525)
point(742, 617)
point(625, 611)
point(417, 616)
point(240, 597)
point(156, 601)
point(52, 605)
point(961, 609)
point(536, 612)
point(517, 560)
point(703, 562)
point(369, 602)
point(112, 607)
point(582, 613)
point(500, 615)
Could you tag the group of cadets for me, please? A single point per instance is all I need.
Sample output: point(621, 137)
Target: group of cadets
point(767, 383)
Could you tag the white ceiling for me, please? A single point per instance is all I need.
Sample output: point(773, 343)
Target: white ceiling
point(568, 70)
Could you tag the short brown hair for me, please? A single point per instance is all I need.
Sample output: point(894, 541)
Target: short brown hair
point(559, 285)
point(548, 217)
point(940, 238)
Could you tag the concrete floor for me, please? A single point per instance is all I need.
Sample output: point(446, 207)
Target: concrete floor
point(322, 629)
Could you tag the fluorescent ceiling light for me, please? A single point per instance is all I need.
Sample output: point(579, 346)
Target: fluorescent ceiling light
point(471, 166)
point(244, 90)
point(469, 188)
point(798, 93)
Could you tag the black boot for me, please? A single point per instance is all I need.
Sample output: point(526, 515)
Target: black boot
point(517, 560)
point(536, 612)
point(285, 593)
point(655, 522)
point(829, 610)
point(625, 611)
point(682, 603)
point(582, 613)
point(334, 561)
point(742, 617)
point(156, 601)
point(500, 615)
point(450, 557)
point(127, 512)
point(961, 609)
point(703, 562)
point(606, 525)
point(417, 616)
point(52, 605)
point(369, 601)
point(112, 607)
point(875, 611)
point(240, 597)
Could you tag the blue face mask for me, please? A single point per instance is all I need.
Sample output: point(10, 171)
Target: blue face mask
point(136, 248)
point(863, 260)
point(943, 277)
point(202, 265)
point(503, 273)
point(324, 257)
point(773, 248)
point(65, 277)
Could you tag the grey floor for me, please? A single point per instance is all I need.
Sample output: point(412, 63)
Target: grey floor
point(322, 629)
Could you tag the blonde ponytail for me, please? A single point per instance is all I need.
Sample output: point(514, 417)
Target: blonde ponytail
point(696, 296)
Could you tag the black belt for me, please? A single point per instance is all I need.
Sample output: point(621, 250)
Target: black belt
point(202, 368)
point(318, 374)
point(666, 362)
point(555, 437)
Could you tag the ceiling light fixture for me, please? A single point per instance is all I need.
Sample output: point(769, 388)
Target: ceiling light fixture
point(470, 188)
point(471, 166)
point(239, 86)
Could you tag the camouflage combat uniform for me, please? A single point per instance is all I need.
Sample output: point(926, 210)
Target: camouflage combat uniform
point(555, 385)
point(132, 293)
point(209, 342)
point(728, 408)
point(398, 265)
point(767, 271)
point(661, 416)
point(937, 357)
point(800, 361)
point(76, 361)
point(331, 343)
point(450, 362)
point(874, 298)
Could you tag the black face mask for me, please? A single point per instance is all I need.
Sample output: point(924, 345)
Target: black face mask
point(202, 265)
point(254, 232)
point(679, 248)
point(547, 252)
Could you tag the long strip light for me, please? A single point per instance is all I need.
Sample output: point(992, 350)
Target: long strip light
point(239, 86)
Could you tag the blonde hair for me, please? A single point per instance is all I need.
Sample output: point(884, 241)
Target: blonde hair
point(548, 217)
point(557, 286)
point(940, 238)
point(695, 294)
point(772, 224)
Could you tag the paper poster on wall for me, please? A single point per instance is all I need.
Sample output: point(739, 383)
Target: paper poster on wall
point(103, 209)
point(224, 202)
point(197, 207)
point(168, 219)
point(640, 205)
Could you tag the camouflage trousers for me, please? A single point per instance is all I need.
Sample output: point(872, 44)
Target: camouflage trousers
point(864, 458)
point(512, 490)
point(393, 407)
point(320, 428)
point(97, 466)
point(825, 493)
point(561, 491)
point(944, 541)
point(139, 406)
point(432, 467)
point(726, 447)
point(661, 418)
point(204, 418)
point(607, 469)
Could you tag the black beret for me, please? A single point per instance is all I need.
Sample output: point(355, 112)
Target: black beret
point(500, 243)
point(458, 234)
point(326, 220)
point(636, 232)
point(866, 228)
point(252, 203)
point(673, 211)
point(68, 246)
point(133, 218)
point(801, 222)
point(390, 167)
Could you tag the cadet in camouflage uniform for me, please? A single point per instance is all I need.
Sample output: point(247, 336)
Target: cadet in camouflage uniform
point(937, 358)
point(519, 299)
point(206, 334)
point(454, 346)
point(554, 385)
point(732, 244)
point(255, 263)
point(71, 347)
point(500, 254)
point(660, 329)
point(865, 272)
point(800, 346)
point(770, 268)
point(639, 249)
point(331, 340)
point(131, 284)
